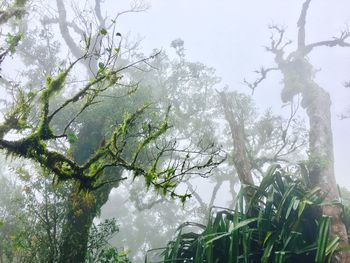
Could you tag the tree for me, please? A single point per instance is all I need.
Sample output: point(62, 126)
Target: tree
point(298, 78)
point(189, 87)
point(42, 138)
point(257, 142)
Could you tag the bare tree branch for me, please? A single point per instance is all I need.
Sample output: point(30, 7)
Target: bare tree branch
point(196, 196)
point(145, 206)
point(277, 45)
point(63, 26)
point(337, 41)
point(263, 74)
point(73, 25)
point(301, 24)
point(98, 13)
point(136, 7)
point(214, 193)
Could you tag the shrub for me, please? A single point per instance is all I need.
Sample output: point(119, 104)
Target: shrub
point(280, 222)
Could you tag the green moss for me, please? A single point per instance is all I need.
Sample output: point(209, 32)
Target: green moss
point(94, 168)
point(162, 129)
point(149, 177)
point(296, 74)
point(20, 3)
point(113, 79)
point(54, 85)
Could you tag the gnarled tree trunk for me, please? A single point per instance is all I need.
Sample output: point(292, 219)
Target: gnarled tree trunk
point(321, 162)
point(82, 209)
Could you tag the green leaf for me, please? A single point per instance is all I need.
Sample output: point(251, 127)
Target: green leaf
point(268, 234)
point(301, 208)
point(103, 31)
point(228, 236)
point(280, 256)
point(332, 246)
point(13, 40)
point(322, 239)
point(293, 203)
point(31, 94)
point(234, 228)
point(72, 138)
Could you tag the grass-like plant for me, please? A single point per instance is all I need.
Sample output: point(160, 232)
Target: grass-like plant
point(280, 222)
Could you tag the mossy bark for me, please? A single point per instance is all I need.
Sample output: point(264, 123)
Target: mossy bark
point(321, 149)
point(317, 103)
point(82, 209)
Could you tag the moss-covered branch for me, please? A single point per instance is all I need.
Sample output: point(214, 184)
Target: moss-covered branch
point(139, 146)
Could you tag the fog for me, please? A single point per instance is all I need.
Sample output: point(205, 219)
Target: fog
point(199, 57)
point(230, 36)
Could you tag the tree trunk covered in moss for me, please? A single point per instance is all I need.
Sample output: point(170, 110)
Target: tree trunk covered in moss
point(321, 160)
point(298, 78)
point(76, 229)
point(82, 209)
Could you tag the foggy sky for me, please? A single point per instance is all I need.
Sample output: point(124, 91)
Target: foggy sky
point(230, 35)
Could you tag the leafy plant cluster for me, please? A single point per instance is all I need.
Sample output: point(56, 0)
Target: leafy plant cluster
point(280, 222)
point(98, 248)
point(31, 215)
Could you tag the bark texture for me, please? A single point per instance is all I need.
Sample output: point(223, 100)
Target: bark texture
point(240, 155)
point(322, 159)
point(82, 209)
point(298, 78)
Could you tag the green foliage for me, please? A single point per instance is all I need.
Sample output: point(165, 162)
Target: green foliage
point(111, 255)
point(103, 31)
point(299, 73)
point(13, 40)
point(31, 217)
point(98, 248)
point(281, 223)
point(72, 138)
point(26, 236)
point(20, 3)
point(35, 147)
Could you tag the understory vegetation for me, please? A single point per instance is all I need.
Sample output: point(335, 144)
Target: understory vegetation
point(279, 223)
